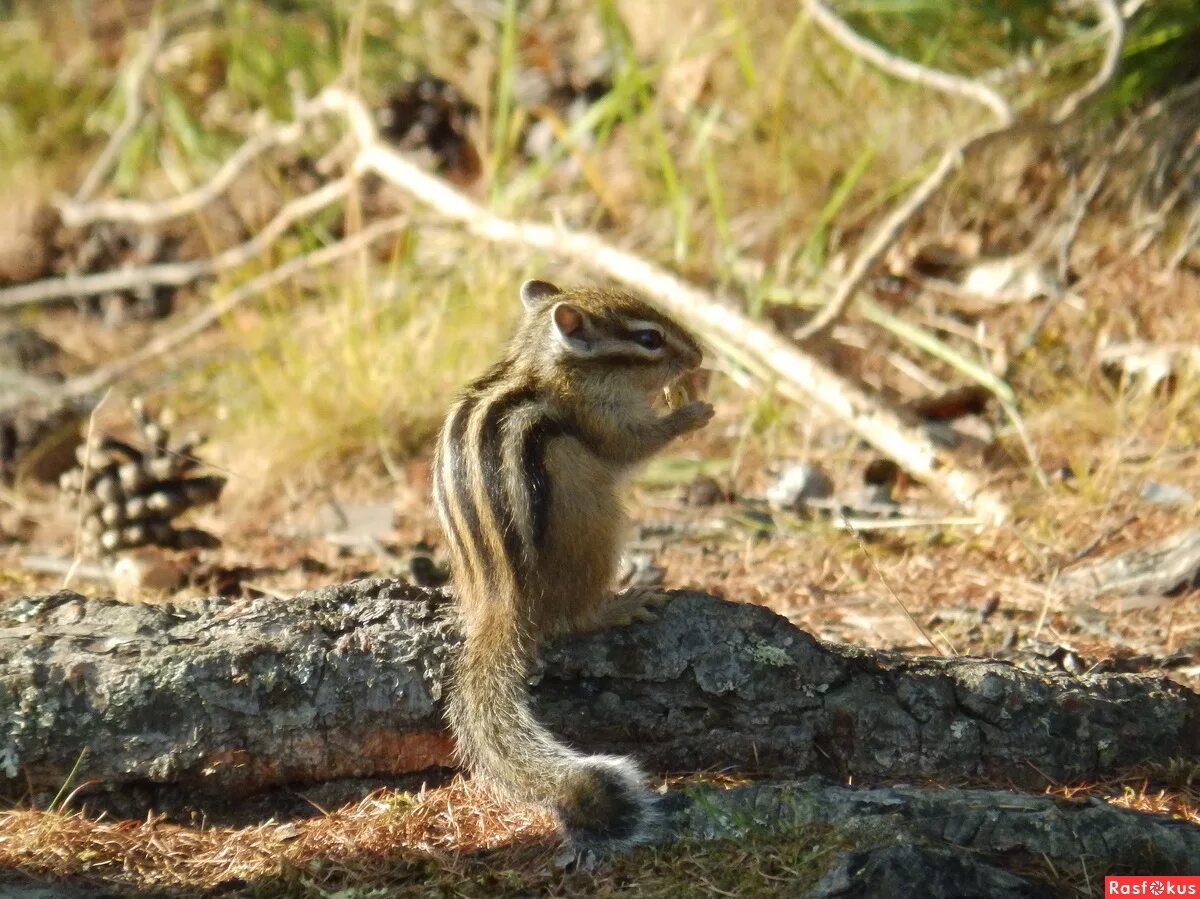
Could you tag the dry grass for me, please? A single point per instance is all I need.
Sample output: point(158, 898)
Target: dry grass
point(1172, 790)
point(365, 374)
point(449, 841)
point(738, 144)
point(385, 831)
point(306, 387)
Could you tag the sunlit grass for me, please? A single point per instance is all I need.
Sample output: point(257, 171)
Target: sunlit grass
point(47, 102)
point(735, 138)
point(448, 841)
point(365, 369)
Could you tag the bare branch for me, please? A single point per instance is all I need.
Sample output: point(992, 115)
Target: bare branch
point(885, 235)
point(1113, 25)
point(888, 230)
point(906, 69)
point(164, 343)
point(793, 373)
point(176, 274)
point(140, 212)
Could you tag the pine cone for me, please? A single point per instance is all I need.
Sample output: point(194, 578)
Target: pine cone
point(131, 497)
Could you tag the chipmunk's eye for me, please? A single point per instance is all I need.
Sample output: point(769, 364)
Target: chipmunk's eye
point(649, 338)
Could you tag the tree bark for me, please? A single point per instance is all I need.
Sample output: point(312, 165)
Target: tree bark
point(348, 681)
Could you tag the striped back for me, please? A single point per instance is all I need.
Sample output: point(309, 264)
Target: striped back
point(491, 486)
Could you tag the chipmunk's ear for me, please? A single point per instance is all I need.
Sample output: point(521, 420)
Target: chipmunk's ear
point(533, 292)
point(573, 328)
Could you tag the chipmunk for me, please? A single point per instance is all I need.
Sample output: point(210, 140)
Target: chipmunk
point(526, 479)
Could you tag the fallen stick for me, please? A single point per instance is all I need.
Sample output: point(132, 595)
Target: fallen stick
point(76, 213)
point(798, 375)
point(176, 274)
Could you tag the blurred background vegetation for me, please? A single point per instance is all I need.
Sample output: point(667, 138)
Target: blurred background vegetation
point(733, 142)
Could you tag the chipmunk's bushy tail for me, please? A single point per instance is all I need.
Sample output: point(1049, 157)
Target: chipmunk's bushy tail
point(601, 802)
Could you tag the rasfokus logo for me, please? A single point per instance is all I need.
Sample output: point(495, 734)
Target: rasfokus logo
point(1151, 885)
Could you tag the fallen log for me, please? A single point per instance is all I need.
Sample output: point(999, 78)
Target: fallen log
point(347, 681)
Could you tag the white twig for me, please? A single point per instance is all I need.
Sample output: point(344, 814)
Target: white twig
point(792, 372)
point(176, 274)
point(906, 69)
point(164, 343)
point(1113, 26)
point(888, 230)
point(40, 563)
point(140, 212)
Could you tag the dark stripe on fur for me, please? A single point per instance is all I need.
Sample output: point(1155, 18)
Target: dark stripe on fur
point(445, 513)
point(476, 550)
point(537, 478)
point(491, 461)
point(489, 378)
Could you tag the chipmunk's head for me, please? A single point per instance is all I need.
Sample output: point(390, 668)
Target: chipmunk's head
point(609, 333)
